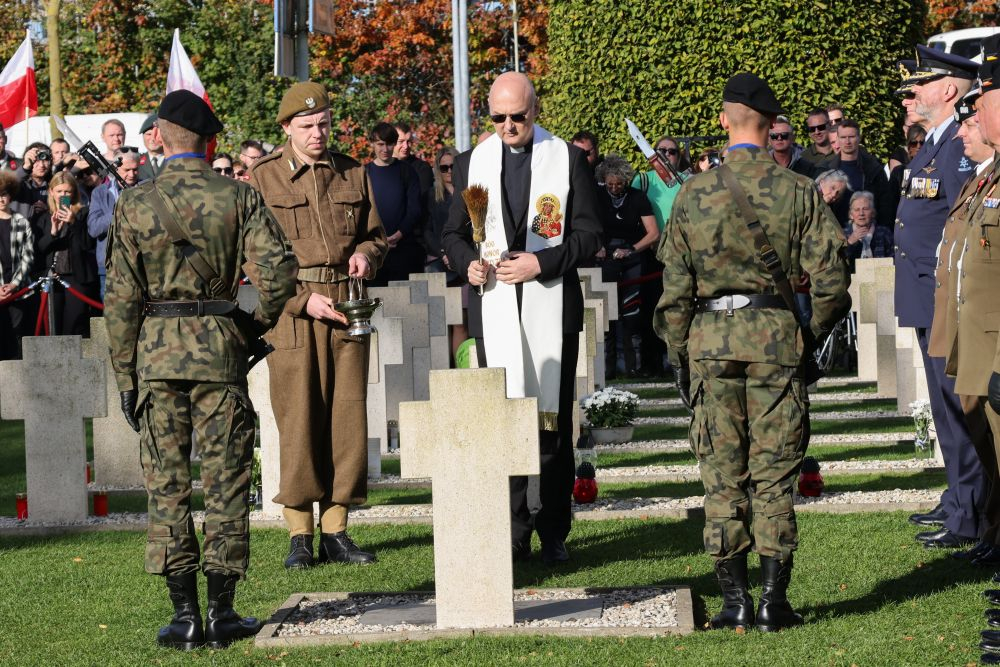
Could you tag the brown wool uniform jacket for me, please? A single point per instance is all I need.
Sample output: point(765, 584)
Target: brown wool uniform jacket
point(976, 356)
point(324, 209)
point(944, 327)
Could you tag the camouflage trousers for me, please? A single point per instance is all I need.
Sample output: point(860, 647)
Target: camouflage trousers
point(749, 432)
point(221, 417)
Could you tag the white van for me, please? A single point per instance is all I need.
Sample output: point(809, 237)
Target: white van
point(963, 43)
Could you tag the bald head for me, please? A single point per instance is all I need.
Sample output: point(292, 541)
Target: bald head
point(513, 108)
point(742, 117)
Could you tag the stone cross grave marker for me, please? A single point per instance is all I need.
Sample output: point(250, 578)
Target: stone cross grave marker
point(437, 327)
point(53, 389)
point(862, 299)
point(406, 381)
point(469, 438)
point(116, 445)
point(437, 285)
point(386, 351)
point(259, 388)
point(595, 288)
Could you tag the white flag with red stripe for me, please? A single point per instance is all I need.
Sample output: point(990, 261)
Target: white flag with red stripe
point(18, 92)
point(181, 74)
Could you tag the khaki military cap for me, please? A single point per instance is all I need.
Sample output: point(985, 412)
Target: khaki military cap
point(305, 97)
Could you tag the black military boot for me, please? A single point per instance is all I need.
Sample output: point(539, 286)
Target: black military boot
point(774, 612)
point(300, 553)
point(185, 630)
point(737, 605)
point(223, 625)
point(339, 548)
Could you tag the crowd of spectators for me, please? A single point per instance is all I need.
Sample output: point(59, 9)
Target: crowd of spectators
point(39, 233)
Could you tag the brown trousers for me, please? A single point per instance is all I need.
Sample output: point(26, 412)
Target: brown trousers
point(984, 429)
point(319, 384)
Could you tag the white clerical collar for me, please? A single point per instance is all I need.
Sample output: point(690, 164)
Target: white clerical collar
point(518, 149)
point(981, 167)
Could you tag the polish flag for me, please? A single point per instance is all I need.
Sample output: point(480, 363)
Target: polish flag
point(18, 92)
point(181, 75)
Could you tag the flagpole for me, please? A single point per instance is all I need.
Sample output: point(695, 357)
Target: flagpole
point(27, 94)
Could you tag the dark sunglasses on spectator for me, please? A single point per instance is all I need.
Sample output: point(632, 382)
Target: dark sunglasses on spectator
point(239, 173)
point(916, 142)
point(128, 149)
point(669, 151)
point(225, 171)
point(836, 123)
point(514, 117)
point(783, 136)
point(445, 168)
point(84, 173)
point(817, 128)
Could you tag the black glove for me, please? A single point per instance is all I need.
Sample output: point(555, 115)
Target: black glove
point(682, 378)
point(993, 392)
point(129, 399)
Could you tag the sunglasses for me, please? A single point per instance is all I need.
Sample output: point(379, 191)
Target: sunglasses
point(916, 142)
point(225, 171)
point(128, 149)
point(239, 173)
point(84, 173)
point(817, 128)
point(669, 151)
point(783, 136)
point(445, 168)
point(835, 122)
point(514, 117)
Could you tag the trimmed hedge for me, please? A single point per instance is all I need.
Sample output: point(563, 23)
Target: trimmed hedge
point(663, 63)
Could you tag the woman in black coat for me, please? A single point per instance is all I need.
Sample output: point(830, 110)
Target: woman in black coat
point(70, 251)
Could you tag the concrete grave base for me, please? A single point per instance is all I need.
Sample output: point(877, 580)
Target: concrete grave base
point(315, 619)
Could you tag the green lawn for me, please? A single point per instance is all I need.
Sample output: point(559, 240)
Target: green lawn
point(870, 596)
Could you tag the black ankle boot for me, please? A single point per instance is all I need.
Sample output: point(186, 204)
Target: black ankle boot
point(185, 630)
point(737, 605)
point(775, 612)
point(339, 548)
point(223, 625)
point(300, 553)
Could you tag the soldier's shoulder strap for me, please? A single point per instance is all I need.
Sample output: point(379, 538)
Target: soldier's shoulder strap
point(170, 217)
point(765, 250)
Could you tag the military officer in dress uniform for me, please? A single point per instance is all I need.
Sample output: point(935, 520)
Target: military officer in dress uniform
point(175, 252)
point(931, 185)
point(150, 162)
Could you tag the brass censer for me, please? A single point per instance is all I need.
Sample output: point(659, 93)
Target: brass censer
point(358, 308)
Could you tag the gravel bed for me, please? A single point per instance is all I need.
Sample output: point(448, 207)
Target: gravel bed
point(846, 415)
point(682, 443)
point(832, 498)
point(635, 608)
point(836, 397)
point(608, 474)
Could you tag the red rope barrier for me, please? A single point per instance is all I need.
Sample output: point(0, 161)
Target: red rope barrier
point(42, 310)
point(15, 296)
point(83, 297)
point(641, 279)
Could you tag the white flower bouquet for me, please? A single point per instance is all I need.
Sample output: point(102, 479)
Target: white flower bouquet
point(922, 441)
point(610, 408)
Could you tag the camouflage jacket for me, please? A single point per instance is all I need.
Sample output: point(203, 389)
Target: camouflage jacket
point(708, 252)
point(232, 229)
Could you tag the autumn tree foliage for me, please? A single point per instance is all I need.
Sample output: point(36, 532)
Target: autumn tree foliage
point(390, 60)
point(944, 15)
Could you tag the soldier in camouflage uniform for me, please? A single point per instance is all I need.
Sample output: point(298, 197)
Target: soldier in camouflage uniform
point(180, 360)
point(737, 349)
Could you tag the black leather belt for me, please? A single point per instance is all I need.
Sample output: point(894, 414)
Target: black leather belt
point(197, 308)
point(732, 302)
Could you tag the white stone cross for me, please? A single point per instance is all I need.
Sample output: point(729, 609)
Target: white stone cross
point(469, 438)
point(386, 351)
point(53, 389)
point(437, 325)
point(408, 380)
point(116, 445)
point(259, 389)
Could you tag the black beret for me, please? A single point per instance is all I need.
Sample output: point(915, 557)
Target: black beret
point(752, 91)
point(147, 124)
point(184, 108)
point(966, 107)
point(933, 64)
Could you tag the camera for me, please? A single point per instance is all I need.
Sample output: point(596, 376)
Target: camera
point(43, 155)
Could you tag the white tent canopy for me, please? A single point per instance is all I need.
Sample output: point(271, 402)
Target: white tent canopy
point(86, 126)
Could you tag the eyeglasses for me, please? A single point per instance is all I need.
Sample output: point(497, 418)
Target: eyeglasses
point(445, 168)
point(240, 173)
point(514, 117)
point(817, 128)
point(783, 136)
point(915, 143)
point(128, 149)
point(669, 151)
point(84, 173)
point(835, 122)
point(225, 171)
